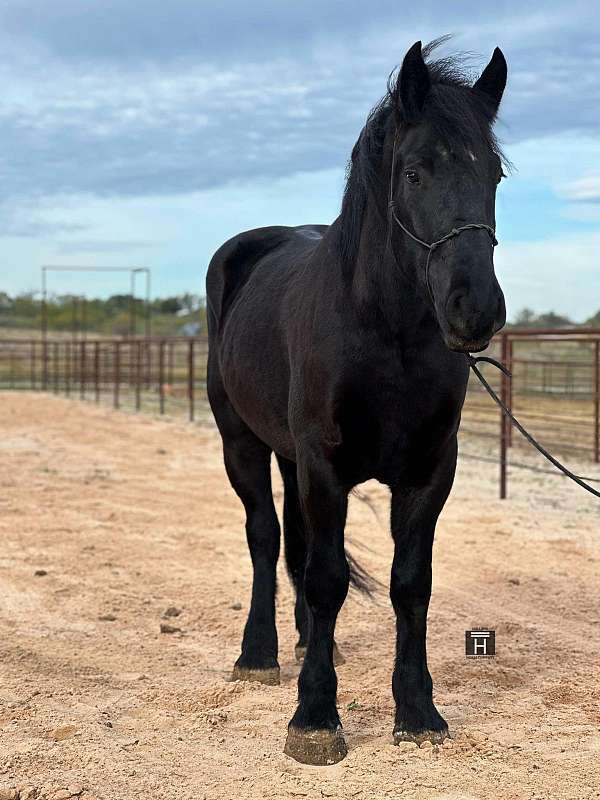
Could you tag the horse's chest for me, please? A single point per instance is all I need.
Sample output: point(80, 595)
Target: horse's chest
point(393, 429)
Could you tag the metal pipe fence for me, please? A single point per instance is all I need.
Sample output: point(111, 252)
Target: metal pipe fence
point(555, 389)
point(163, 375)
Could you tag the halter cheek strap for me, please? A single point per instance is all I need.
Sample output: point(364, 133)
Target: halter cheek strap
point(431, 246)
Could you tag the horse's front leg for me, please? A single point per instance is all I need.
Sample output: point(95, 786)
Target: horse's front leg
point(414, 516)
point(314, 733)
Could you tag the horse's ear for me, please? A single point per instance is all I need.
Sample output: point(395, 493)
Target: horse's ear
point(413, 84)
point(493, 80)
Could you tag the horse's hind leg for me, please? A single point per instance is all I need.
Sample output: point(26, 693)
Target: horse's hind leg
point(247, 461)
point(294, 536)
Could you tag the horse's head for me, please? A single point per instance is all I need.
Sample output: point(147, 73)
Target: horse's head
point(446, 169)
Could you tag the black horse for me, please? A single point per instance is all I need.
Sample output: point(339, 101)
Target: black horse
point(341, 349)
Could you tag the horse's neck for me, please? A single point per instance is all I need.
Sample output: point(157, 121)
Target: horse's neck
point(384, 286)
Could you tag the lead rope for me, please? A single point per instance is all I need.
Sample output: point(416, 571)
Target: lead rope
point(473, 361)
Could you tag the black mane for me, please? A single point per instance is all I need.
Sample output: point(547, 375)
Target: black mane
point(459, 116)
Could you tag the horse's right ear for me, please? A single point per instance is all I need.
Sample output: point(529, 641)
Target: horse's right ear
point(413, 84)
point(492, 81)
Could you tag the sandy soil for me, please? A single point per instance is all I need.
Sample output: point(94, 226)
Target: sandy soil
point(107, 520)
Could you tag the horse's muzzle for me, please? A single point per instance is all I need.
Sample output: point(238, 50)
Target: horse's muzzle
point(468, 325)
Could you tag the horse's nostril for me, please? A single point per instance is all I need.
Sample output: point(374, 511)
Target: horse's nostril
point(457, 309)
point(456, 300)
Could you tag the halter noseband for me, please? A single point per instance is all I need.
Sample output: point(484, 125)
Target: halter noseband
point(431, 246)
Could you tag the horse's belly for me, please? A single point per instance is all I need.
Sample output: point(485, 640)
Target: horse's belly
point(255, 378)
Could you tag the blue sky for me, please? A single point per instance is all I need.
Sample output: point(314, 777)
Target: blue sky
point(146, 133)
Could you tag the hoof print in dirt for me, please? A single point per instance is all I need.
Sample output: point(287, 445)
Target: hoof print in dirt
point(66, 794)
point(165, 627)
point(172, 611)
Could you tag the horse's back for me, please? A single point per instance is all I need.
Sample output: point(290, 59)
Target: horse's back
point(237, 259)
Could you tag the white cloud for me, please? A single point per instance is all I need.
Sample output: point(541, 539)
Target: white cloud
point(175, 235)
point(124, 111)
point(161, 129)
point(559, 273)
point(556, 159)
point(585, 189)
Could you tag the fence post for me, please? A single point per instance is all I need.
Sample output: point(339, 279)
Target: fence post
point(171, 364)
point(503, 420)
point(191, 379)
point(107, 369)
point(138, 374)
point(117, 373)
point(97, 370)
point(82, 359)
point(161, 375)
point(55, 354)
point(68, 368)
point(71, 351)
point(510, 366)
point(597, 401)
point(32, 374)
point(44, 365)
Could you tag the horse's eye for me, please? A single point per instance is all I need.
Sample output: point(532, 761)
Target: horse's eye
point(411, 176)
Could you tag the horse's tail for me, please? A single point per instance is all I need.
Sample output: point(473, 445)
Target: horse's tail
point(295, 536)
point(360, 579)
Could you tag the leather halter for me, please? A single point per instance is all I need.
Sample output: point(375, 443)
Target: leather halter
point(432, 246)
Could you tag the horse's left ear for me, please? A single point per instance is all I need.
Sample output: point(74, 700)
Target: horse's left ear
point(493, 80)
point(413, 85)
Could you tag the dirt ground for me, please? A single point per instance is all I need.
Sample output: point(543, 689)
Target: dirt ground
point(108, 520)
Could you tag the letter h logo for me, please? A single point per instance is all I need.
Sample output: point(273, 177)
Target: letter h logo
point(480, 643)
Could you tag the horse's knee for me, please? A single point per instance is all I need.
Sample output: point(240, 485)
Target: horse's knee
point(326, 583)
point(410, 589)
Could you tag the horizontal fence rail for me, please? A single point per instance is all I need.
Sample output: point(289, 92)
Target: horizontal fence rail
point(555, 389)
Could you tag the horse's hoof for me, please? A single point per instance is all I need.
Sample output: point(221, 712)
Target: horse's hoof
point(300, 652)
point(270, 676)
point(338, 658)
point(418, 737)
point(319, 748)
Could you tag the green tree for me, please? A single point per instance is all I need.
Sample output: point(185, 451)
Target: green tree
point(553, 320)
point(525, 318)
point(594, 320)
